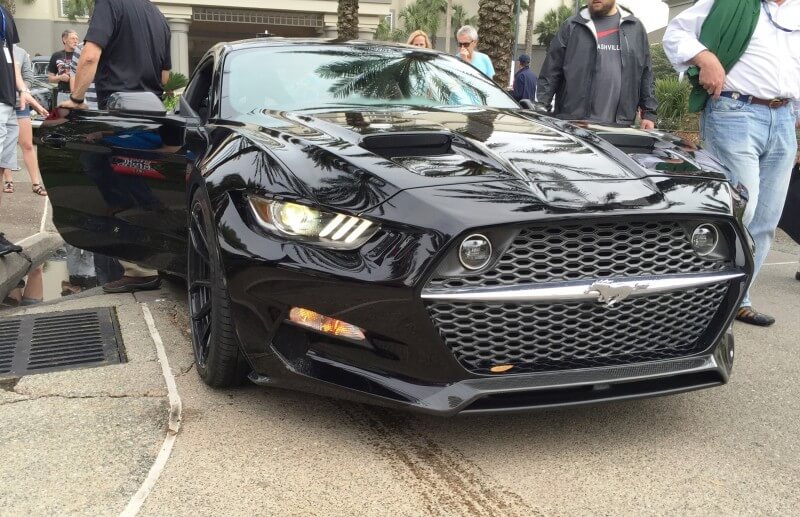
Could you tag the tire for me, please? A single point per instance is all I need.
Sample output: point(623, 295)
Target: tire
point(218, 358)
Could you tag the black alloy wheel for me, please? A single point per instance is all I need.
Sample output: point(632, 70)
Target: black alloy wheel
point(218, 359)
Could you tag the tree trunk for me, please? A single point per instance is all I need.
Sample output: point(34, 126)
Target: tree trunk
point(496, 35)
point(448, 26)
point(347, 26)
point(529, 28)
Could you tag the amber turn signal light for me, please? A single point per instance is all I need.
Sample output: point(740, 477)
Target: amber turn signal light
point(324, 324)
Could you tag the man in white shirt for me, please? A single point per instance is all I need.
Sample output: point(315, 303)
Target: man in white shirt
point(748, 121)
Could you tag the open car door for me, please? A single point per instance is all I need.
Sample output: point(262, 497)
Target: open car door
point(117, 179)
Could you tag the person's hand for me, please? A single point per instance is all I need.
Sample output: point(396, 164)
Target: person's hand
point(647, 124)
point(464, 53)
point(26, 99)
point(64, 78)
point(712, 74)
point(92, 138)
point(73, 106)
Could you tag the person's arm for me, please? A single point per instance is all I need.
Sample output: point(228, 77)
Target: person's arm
point(647, 98)
point(552, 72)
point(516, 91)
point(25, 97)
point(26, 69)
point(87, 68)
point(683, 47)
point(164, 77)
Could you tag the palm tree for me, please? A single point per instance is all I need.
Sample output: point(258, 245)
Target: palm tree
point(497, 35)
point(547, 28)
point(461, 17)
point(347, 25)
point(529, 28)
point(425, 15)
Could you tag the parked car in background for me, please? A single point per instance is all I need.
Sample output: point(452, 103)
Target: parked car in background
point(385, 224)
point(39, 65)
point(45, 93)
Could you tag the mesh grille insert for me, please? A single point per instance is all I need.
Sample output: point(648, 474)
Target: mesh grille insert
point(584, 251)
point(563, 336)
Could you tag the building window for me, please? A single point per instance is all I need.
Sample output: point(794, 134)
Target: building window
point(62, 9)
point(288, 19)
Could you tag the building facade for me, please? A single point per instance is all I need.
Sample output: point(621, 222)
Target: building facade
point(198, 24)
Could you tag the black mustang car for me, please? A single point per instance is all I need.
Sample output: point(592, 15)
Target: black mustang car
point(385, 224)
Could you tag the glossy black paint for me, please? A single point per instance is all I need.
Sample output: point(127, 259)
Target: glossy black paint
point(119, 185)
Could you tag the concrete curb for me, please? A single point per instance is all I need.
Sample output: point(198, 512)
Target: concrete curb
point(35, 250)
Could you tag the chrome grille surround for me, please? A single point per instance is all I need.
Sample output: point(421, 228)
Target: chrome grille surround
point(544, 254)
point(562, 336)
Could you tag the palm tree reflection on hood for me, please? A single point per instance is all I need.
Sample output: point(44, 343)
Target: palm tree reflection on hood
point(399, 76)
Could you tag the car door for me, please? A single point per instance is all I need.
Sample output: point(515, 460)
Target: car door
point(117, 180)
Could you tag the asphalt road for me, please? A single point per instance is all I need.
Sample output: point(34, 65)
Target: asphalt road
point(82, 442)
point(726, 451)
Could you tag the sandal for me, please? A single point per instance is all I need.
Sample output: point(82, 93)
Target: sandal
point(748, 315)
point(8, 187)
point(38, 188)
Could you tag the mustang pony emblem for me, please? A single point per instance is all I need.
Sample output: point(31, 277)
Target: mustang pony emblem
point(611, 293)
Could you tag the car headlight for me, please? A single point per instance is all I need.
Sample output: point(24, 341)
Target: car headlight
point(309, 224)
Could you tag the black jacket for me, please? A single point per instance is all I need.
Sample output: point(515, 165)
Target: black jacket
point(568, 70)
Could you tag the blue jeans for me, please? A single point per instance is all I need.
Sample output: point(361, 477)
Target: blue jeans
point(757, 145)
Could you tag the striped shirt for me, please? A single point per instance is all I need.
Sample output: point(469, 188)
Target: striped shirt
point(91, 93)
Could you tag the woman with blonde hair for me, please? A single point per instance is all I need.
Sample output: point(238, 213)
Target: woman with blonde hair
point(419, 39)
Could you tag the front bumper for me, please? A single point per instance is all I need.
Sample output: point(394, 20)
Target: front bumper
point(514, 392)
point(405, 363)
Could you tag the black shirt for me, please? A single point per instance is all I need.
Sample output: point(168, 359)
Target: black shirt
point(8, 78)
point(61, 63)
point(135, 38)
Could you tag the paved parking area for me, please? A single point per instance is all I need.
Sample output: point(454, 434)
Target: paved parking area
point(726, 451)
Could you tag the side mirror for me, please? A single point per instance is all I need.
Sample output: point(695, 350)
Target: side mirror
point(136, 103)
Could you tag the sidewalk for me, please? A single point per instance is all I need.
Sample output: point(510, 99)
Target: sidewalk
point(82, 441)
point(25, 220)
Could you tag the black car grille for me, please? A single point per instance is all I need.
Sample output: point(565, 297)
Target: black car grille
point(536, 338)
point(580, 251)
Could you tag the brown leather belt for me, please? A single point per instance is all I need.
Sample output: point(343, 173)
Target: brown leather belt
point(749, 99)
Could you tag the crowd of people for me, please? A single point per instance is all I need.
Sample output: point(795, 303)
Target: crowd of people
point(743, 64)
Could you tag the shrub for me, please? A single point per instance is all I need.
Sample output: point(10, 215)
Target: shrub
point(673, 103)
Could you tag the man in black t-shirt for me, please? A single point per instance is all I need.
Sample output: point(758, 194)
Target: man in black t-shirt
point(126, 49)
point(10, 83)
point(60, 68)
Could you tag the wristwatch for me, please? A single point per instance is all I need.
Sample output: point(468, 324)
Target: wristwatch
point(76, 101)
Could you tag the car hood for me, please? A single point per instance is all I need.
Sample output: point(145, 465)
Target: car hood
point(389, 151)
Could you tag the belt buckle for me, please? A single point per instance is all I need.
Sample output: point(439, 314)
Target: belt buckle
point(776, 103)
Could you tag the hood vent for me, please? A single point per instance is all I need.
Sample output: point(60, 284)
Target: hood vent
point(400, 145)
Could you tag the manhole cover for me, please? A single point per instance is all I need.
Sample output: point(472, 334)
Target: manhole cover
point(40, 343)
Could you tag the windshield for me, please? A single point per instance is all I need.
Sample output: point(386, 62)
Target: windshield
point(323, 76)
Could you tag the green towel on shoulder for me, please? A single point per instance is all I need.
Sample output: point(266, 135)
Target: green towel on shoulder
point(726, 32)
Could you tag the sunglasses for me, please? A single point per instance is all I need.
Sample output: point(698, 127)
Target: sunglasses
point(460, 44)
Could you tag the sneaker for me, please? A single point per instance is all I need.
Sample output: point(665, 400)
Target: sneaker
point(131, 284)
point(748, 315)
point(7, 246)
